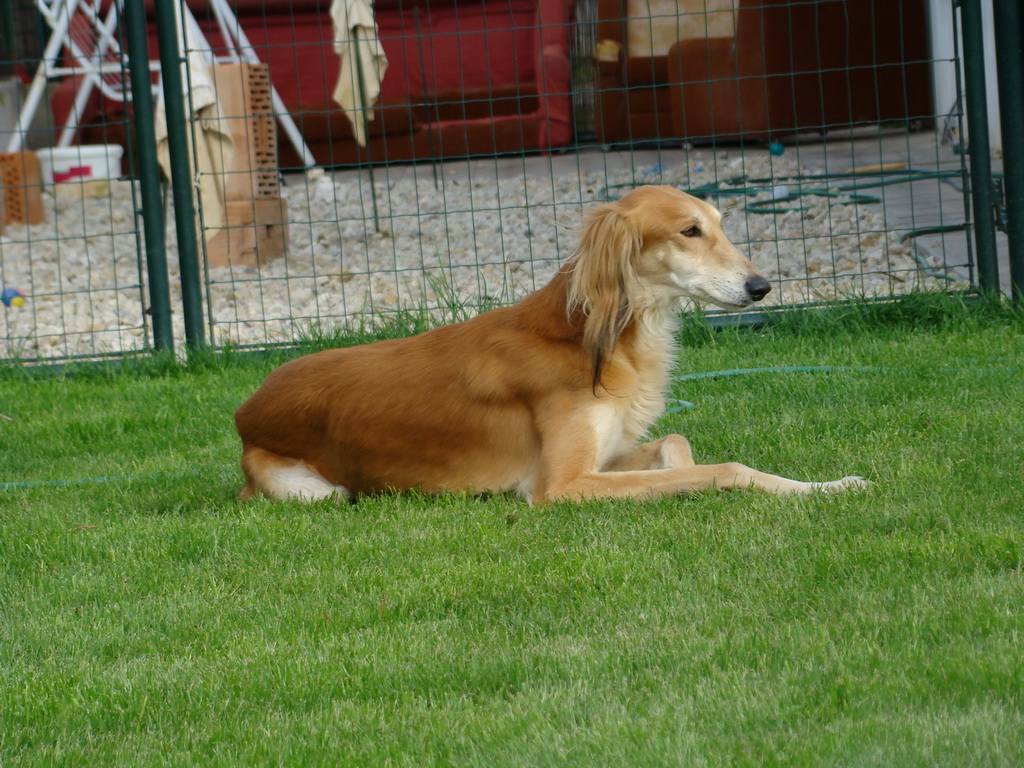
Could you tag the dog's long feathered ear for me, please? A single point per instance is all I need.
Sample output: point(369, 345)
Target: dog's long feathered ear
point(602, 280)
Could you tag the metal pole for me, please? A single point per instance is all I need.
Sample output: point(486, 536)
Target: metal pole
point(181, 175)
point(134, 15)
point(423, 72)
point(1009, 35)
point(363, 106)
point(981, 158)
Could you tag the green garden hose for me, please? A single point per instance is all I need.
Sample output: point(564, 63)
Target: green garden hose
point(843, 194)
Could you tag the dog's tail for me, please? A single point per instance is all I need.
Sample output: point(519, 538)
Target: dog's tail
point(281, 477)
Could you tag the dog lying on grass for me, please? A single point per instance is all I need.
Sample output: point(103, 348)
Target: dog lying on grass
point(546, 398)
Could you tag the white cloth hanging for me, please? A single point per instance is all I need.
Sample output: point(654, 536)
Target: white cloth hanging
point(356, 41)
point(213, 153)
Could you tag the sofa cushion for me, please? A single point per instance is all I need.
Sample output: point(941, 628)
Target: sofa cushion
point(478, 104)
point(448, 47)
point(326, 120)
point(638, 72)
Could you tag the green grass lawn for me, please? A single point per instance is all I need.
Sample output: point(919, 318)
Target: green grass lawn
point(151, 619)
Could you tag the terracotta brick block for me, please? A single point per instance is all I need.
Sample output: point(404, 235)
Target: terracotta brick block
point(22, 189)
point(244, 95)
point(255, 232)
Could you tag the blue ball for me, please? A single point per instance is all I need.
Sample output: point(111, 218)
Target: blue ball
point(12, 297)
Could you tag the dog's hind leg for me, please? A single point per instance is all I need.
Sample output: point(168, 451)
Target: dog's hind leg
point(248, 491)
point(280, 477)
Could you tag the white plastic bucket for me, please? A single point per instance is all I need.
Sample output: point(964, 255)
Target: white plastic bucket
point(85, 163)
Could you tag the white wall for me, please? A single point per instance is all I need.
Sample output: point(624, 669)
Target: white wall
point(944, 73)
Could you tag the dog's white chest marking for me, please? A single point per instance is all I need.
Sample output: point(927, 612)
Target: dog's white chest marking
point(608, 421)
point(619, 422)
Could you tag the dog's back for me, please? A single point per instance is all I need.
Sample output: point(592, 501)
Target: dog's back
point(447, 409)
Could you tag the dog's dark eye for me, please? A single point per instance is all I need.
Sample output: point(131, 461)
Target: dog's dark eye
point(693, 231)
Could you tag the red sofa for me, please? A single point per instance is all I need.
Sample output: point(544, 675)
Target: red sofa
point(792, 66)
point(464, 78)
point(804, 67)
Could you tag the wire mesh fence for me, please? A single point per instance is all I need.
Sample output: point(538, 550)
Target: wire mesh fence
point(454, 181)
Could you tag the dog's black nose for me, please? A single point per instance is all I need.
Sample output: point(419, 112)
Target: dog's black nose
point(757, 288)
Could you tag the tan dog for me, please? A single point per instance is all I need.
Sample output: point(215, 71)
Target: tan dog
point(546, 398)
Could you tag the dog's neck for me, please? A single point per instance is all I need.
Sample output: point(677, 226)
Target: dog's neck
point(652, 334)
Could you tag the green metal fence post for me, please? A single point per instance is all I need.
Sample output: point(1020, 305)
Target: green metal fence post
point(7, 28)
point(181, 175)
point(134, 16)
point(1009, 35)
point(980, 152)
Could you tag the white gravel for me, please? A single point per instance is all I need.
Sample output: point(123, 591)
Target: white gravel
point(459, 244)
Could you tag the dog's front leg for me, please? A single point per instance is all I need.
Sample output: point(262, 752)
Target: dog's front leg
point(570, 468)
point(670, 452)
point(674, 452)
point(650, 483)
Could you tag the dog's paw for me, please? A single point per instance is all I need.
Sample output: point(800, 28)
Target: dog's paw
point(849, 483)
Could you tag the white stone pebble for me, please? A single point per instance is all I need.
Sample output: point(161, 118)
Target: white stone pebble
point(446, 250)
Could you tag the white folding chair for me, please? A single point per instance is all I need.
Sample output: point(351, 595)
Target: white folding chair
point(90, 37)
